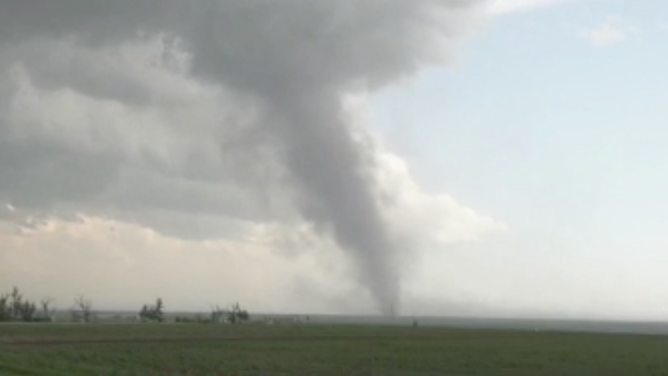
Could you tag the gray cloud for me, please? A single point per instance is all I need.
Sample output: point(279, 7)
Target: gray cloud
point(290, 61)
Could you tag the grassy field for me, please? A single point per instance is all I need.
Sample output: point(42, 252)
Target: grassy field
point(196, 349)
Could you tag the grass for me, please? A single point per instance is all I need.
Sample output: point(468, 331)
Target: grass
point(192, 349)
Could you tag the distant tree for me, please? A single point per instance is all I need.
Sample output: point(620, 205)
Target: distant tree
point(234, 315)
point(46, 311)
point(243, 315)
point(26, 311)
point(152, 312)
point(143, 312)
point(5, 308)
point(82, 309)
point(237, 315)
point(13, 307)
point(16, 303)
point(158, 309)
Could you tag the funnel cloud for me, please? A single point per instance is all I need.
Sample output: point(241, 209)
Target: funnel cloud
point(293, 61)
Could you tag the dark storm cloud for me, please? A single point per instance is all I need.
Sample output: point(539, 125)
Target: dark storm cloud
point(294, 60)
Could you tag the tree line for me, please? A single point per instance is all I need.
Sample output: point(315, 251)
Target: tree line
point(15, 308)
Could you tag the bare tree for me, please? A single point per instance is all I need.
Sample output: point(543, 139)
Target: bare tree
point(46, 308)
point(27, 311)
point(153, 312)
point(82, 309)
point(16, 303)
point(236, 315)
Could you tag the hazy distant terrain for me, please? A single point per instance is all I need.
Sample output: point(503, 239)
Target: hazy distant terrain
point(561, 325)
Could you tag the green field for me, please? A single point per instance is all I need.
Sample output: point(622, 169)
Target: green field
point(200, 349)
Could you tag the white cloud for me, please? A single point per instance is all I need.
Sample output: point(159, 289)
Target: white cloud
point(612, 31)
point(500, 7)
point(434, 220)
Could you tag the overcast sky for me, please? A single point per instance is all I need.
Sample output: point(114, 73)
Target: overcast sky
point(455, 158)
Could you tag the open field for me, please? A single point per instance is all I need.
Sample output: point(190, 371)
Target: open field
point(199, 349)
